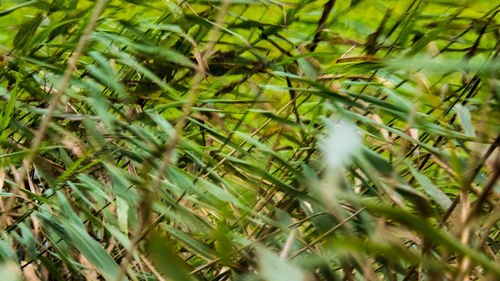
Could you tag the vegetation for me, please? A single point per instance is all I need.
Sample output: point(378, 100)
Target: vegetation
point(249, 140)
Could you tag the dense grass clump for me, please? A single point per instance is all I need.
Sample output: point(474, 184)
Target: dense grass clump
point(249, 140)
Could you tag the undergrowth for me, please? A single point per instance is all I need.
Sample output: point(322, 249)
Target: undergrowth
point(249, 140)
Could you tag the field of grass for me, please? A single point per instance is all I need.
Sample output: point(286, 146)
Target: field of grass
point(249, 140)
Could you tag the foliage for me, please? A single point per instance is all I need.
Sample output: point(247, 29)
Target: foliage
point(249, 140)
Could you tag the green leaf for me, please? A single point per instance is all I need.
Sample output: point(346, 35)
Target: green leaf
point(165, 258)
point(26, 32)
point(276, 269)
point(432, 233)
point(435, 193)
point(465, 119)
point(17, 7)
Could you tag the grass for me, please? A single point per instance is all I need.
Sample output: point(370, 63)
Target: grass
point(249, 140)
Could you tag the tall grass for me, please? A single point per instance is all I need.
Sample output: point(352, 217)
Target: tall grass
point(249, 140)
